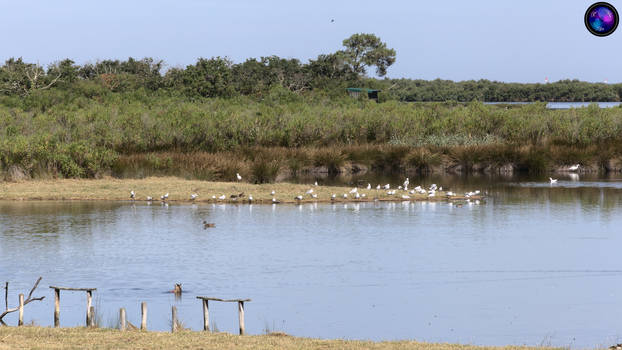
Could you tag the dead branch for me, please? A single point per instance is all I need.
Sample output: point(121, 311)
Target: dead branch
point(30, 298)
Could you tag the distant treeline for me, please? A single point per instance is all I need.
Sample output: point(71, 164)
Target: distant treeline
point(220, 77)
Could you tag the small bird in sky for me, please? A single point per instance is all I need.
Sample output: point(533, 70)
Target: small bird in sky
point(332, 21)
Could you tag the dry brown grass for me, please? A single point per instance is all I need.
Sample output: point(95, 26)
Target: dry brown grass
point(180, 190)
point(84, 338)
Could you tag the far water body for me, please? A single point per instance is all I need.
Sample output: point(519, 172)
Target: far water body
point(562, 105)
point(534, 264)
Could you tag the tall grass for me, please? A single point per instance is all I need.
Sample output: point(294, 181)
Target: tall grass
point(87, 137)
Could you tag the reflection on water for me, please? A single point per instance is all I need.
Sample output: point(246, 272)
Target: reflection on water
point(536, 262)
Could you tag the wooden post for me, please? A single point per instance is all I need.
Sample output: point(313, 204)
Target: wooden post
point(89, 297)
point(205, 315)
point(241, 316)
point(143, 313)
point(6, 296)
point(122, 324)
point(174, 317)
point(20, 322)
point(56, 307)
point(92, 320)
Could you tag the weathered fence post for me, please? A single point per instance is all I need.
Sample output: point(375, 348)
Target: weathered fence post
point(20, 322)
point(89, 297)
point(241, 316)
point(143, 318)
point(174, 317)
point(92, 319)
point(56, 307)
point(205, 315)
point(122, 323)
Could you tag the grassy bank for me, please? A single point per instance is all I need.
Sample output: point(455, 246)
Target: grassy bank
point(181, 189)
point(82, 338)
point(78, 136)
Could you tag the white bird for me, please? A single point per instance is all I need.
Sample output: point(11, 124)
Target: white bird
point(250, 197)
point(431, 194)
point(194, 196)
point(213, 197)
point(309, 191)
point(357, 195)
point(345, 195)
point(363, 195)
point(406, 183)
point(552, 180)
point(149, 198)
point(164, 197)
point(476, 192)
point(450, 193)
point(440, 189)
point(333, 196)
point(390, 193)
point(405, 196)
point(387, 186)
point(272, 193)
point(433, 187)
point(314, 195)
point(354, 190)
point(418, 188)
point(315, 184)
point(222, 197)
point(274, 201)
point(574, 167)
point(299, 198)
point(411, 191)
point(369, 186)
point(132, 194)
point(378, 187)
point(399, 187)
point(238, 177)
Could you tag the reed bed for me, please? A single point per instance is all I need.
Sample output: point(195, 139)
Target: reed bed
point(88, 137)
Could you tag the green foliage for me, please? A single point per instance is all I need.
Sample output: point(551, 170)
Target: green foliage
point(366, 50)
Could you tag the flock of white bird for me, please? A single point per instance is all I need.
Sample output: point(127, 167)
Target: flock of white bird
point(402, 191)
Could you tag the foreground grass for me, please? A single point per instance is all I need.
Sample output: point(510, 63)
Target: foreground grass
point(83, 338)
point(180, 190)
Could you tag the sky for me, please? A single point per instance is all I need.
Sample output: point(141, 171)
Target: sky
point(503, 40)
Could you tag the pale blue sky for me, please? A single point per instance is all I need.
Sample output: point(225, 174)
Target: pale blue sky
point(522, 41)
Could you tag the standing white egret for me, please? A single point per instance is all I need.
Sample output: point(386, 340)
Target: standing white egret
point(238, 177)
point(574, 167)
point(406, 183)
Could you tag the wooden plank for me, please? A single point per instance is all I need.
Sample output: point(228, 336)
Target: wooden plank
point(241, 316)
point(122, 323)
point(56, 308)
point(224, 300)
point(205, 315)
point(89, 297)
point(20, 321)
point(74, 289)
point(143, 316)
point(174, 318)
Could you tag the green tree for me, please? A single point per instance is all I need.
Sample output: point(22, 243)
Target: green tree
point(366, 50)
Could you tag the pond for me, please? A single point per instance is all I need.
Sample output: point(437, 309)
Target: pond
point(533, 264)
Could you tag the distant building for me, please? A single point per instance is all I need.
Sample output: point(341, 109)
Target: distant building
point(356, 92)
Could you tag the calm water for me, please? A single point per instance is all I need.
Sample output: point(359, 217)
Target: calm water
point(562, 105)
point(535, 264)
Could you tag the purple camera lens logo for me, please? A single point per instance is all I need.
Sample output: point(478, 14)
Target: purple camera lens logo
point(601, 19)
